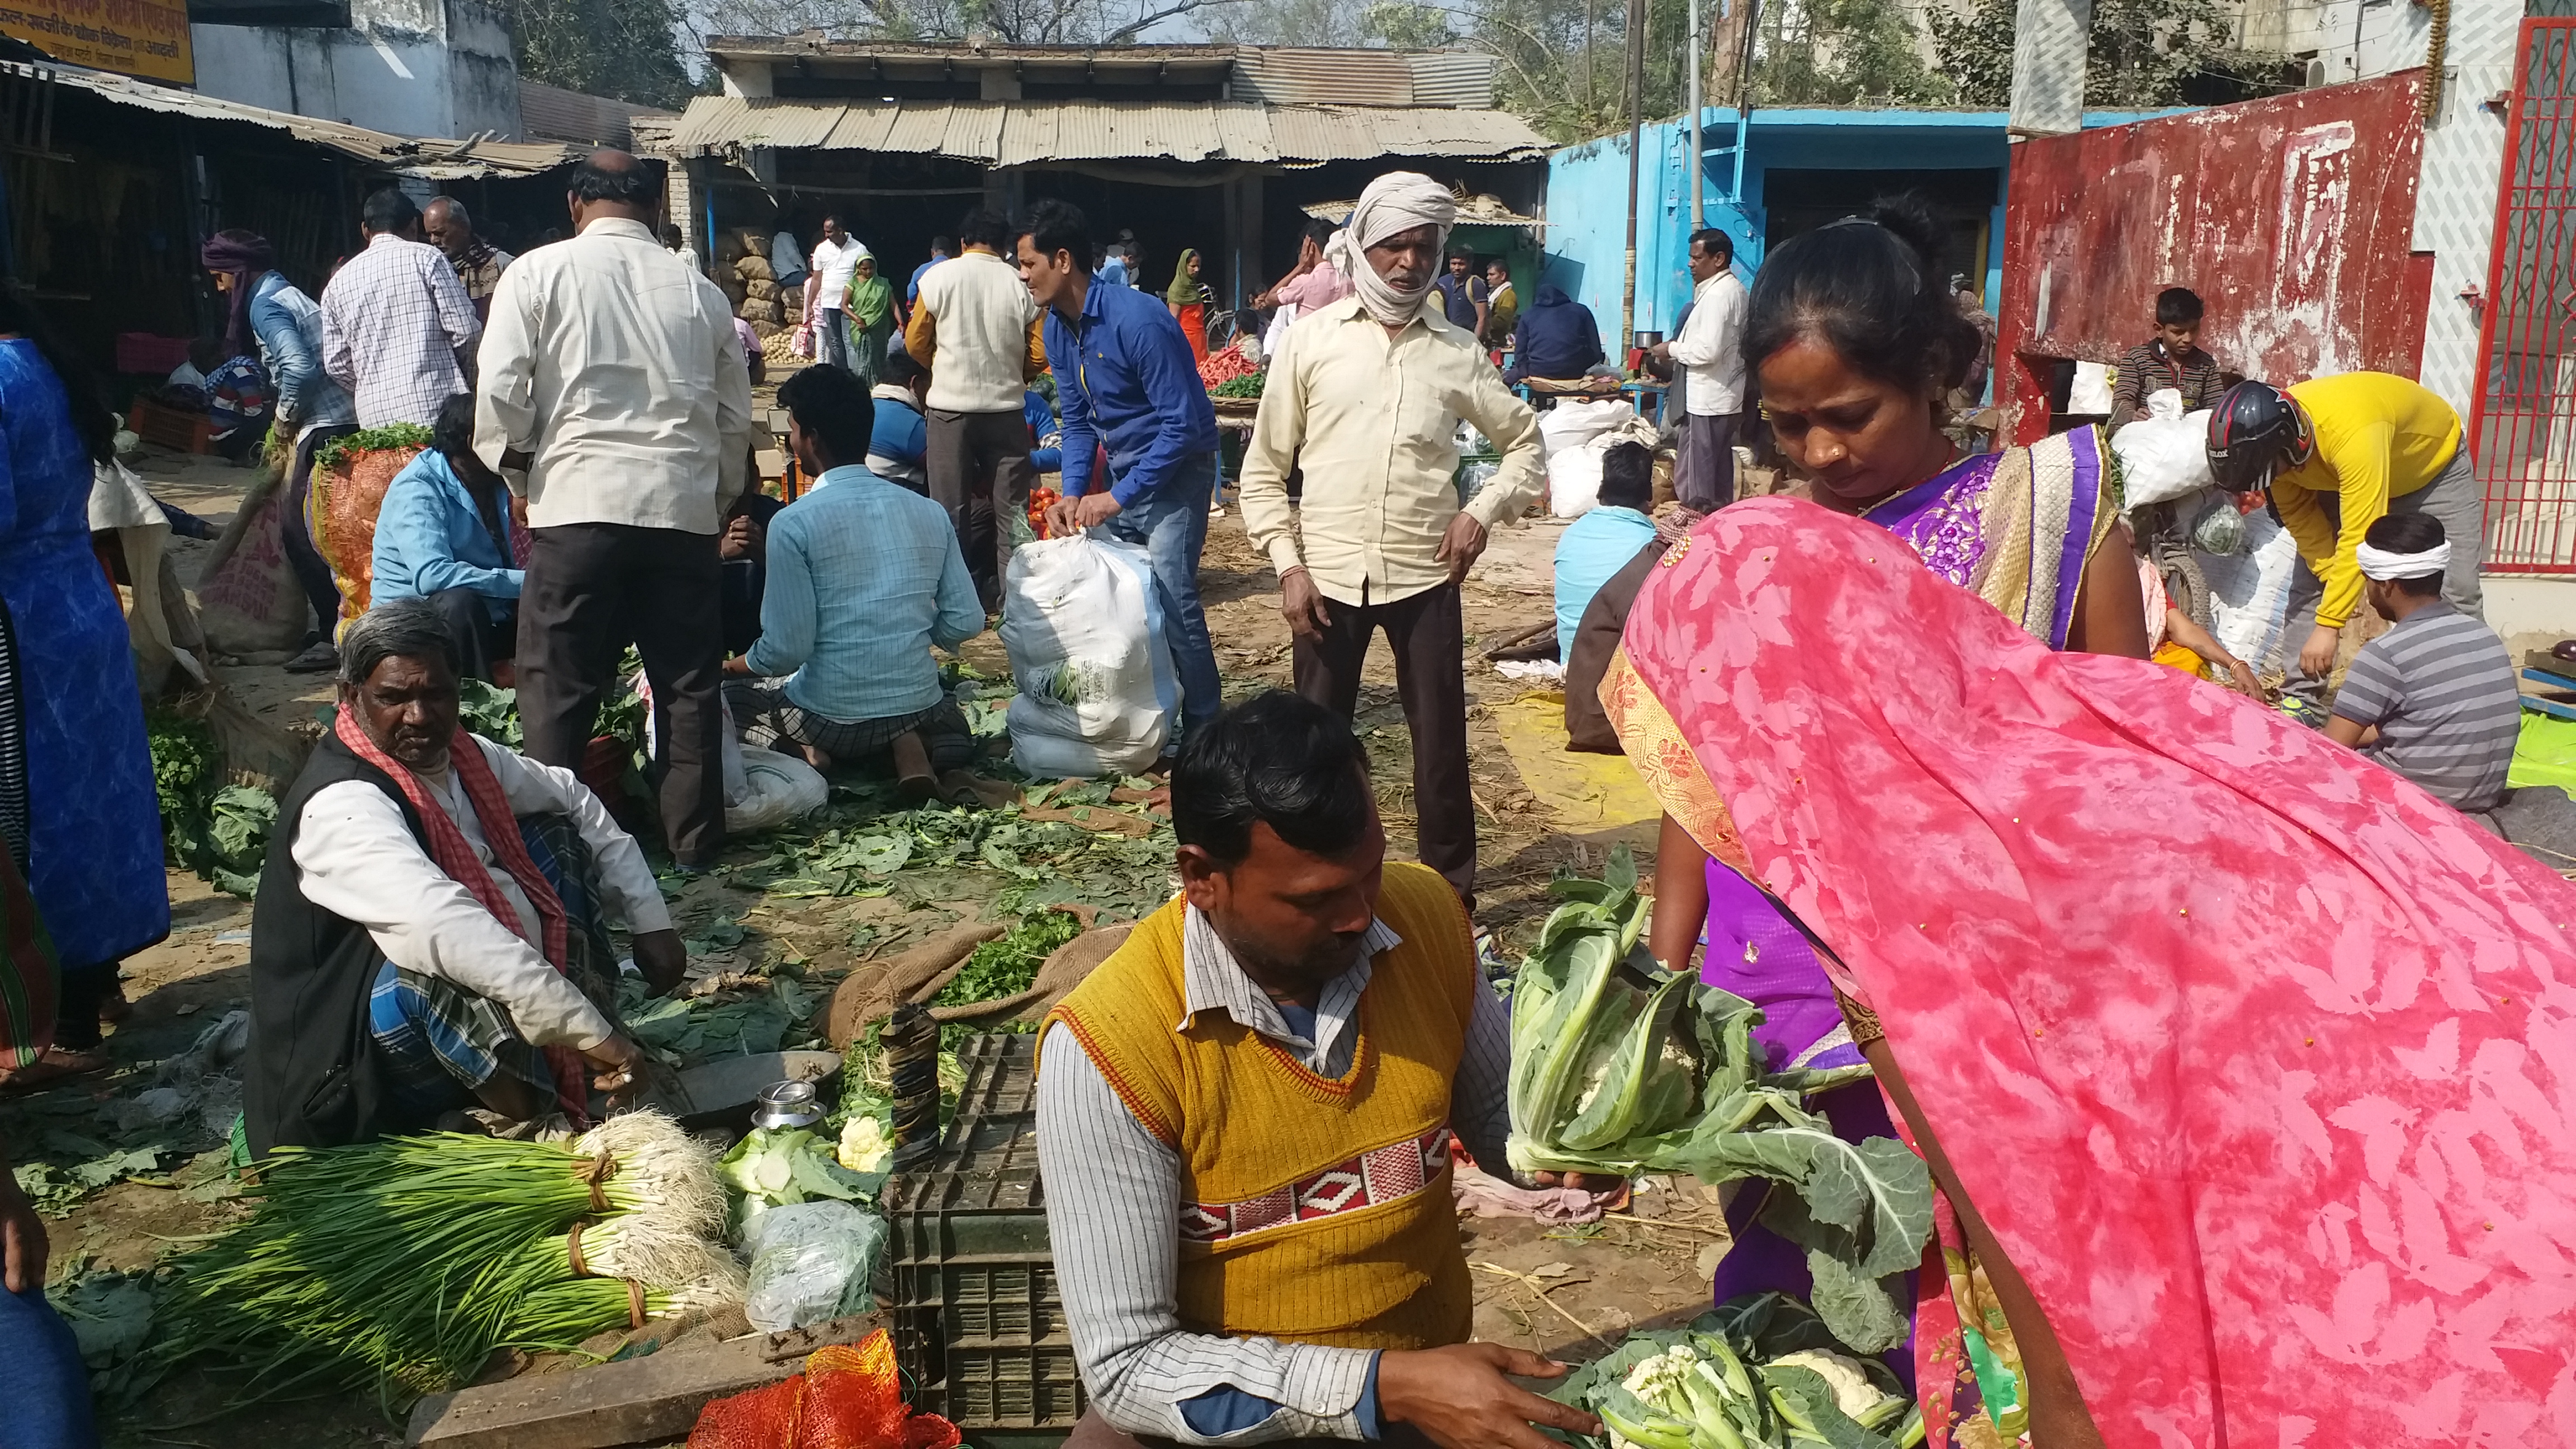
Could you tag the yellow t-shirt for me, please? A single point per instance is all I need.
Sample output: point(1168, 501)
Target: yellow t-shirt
point(2378, 437)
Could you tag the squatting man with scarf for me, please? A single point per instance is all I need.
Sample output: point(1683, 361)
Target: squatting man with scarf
point(1366, 394)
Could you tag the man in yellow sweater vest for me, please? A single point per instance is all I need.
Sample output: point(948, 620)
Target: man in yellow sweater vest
point(1244, 1126)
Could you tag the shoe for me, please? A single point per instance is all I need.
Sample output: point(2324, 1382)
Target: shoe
point(319, 657)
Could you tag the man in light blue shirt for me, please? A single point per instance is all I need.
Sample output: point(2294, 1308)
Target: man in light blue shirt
point(1601, 542)
point(864, 578)
point(443, 534)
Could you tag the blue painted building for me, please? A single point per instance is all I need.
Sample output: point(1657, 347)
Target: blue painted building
point(1798, 169)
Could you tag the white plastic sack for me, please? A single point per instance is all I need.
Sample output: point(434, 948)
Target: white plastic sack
point(777, 788)
point(2250, 591)
point(736, 784)
point(1572, 423)
point(2091, 393)
point(811, 1262)
point(1573, 482)
point(1085, 632)
point(2162, 458)
point(2165, 402)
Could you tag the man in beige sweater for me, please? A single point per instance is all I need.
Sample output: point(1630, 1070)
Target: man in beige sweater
point(976, 329)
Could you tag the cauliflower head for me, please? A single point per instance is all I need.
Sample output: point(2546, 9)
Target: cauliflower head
point(1854, 1394)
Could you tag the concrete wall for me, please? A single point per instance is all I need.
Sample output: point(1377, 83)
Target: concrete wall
point(439, 68)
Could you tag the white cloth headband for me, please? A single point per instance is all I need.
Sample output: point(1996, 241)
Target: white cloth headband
point(1399, 201)
point(2380, 564)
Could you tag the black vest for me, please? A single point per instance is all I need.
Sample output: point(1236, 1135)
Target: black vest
point(313, 1077)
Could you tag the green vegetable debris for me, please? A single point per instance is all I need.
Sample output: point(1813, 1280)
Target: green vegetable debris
point(1621, 1067)
point(1009, 964)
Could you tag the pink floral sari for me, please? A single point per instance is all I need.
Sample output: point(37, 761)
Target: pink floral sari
point(2260, 1061)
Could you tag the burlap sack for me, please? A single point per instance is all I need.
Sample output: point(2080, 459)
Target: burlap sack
point(341, 511)
point(876, 988)
point(753, 267)
point(755, 310)
point(728, 248)
point(247, 599)
point(764, 330)
point(763, 289)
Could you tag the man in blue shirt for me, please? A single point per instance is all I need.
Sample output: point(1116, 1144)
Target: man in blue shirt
point(1601, 542)
point(898, 446)
point(443, 534)
point(863, 579)
point(941, 249)
point(1124, 375)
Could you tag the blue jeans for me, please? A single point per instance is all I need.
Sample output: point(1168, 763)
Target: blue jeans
point(1171, 522)
point(42, 1382)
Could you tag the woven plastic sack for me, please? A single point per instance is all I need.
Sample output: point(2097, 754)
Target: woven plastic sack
point(2249, 591)
point(2162, 458)
point(776, 788)
point(848, 1397)
point(248, 601)
point(1571, 424)
point(1088, 650)
point(341, 509)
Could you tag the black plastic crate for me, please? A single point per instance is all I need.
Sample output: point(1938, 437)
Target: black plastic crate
point(979, 1322)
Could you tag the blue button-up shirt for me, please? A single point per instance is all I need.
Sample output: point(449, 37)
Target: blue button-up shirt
point(1125, 371)
point(430, 537)
point(864, 577)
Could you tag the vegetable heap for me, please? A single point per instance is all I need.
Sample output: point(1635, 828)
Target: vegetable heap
point(1248, 385)
point(1621, 1067)
point(770, 1168)
point(1008, 965)
point(219, 831)
point(1759, 1373)
point(404, 1262)
point(329, 457)
point(1224, 366)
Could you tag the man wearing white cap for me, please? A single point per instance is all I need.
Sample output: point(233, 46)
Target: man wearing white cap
point(2434, 698)
point(1366, 394)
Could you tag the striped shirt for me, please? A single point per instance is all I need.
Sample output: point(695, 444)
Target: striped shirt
point(1114, 1200)
point(2150, 367)
point(2441, 689)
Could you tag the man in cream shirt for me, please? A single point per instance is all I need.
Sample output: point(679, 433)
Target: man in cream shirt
point(1366, 394)
point(1711, 352)
point(616, 400)
point(976, 329)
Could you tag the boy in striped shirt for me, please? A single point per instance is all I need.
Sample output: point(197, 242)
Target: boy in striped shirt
point(2434, 698)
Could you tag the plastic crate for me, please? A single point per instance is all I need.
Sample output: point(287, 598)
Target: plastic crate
point(979, 1324)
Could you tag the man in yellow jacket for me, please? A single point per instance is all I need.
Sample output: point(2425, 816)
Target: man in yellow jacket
point(1244, 1123)
point(2339, 454)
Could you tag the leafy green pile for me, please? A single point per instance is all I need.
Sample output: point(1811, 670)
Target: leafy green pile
point(219, 831)
point(1008, 964)
point(332, 454)
point(1621, 1067)
point(739, 1021)
point(769, 1169)
point(1759, 1373)
point(490, 711)
point(1248, 385)
point(863, 851)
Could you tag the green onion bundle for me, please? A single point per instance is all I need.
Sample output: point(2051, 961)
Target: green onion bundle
point(406, 1261)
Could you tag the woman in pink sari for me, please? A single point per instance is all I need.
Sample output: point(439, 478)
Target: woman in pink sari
point(2254, 1064)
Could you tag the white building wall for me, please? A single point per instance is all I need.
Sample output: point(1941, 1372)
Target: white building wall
point(439, 68)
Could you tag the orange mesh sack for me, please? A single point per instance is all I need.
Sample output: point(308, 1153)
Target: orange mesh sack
point(341, 510)
point(847, 1398)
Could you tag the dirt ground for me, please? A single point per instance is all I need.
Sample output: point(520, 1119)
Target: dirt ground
point(1567, 1291)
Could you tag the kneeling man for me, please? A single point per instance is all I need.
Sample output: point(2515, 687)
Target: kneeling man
point(429, 932)
point(1244, 1125)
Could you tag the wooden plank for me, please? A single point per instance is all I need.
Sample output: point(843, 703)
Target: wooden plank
point(648, 1400)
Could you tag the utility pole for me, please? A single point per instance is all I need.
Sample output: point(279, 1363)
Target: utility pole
point(1638, 10)
point(1698, 157)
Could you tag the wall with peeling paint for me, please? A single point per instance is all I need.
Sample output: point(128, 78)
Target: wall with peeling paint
point(2293, 218)
point(410, 67)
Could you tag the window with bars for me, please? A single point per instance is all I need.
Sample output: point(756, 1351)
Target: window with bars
point(2523, 426)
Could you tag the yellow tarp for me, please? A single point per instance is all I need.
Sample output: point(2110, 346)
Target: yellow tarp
point(1584, 792)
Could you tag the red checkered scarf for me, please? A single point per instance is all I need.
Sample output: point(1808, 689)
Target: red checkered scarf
point(449, 851)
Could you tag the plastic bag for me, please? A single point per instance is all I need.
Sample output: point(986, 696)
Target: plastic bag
point(2220, 529)
point(1573, 482)
point(2090, 394)
point(811, 1262)
point(1085, 632)
point(803, 346)
point(1571, 424)
point(777, 788)
point(2162, 459)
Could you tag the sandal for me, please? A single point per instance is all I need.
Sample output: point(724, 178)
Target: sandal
point(58, 1064)
point(319, 657)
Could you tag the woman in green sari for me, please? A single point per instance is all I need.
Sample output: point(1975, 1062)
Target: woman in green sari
point(1188, 297)
point(871, 310)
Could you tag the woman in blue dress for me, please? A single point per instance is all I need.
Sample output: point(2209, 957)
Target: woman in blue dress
point(77, 810)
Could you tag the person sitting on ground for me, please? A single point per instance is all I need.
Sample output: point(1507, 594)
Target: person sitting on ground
point(1557, 340)
point(2170, 359)
point(1601, 542)
point(443, 535)
point(430, 934)
point(864, 578)
point(2435, 698)
point(1217, 1285)
point(898, 444)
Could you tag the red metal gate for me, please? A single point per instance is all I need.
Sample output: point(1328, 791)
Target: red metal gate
point(2524, 419)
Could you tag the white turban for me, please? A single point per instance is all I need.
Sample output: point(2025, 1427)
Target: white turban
point(2380, 564)
point(1399, 201)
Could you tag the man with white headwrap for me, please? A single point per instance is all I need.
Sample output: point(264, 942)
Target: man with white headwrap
point(1366, 394)
point(2434, 698)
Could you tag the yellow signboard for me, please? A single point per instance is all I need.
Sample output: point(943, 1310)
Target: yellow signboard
point(147, 38)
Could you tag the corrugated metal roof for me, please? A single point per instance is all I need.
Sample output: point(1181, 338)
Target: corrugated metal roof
point(430, 159)
point(1022, 133)
point(1301, 76)
point(551, 113)
point(1463, 78)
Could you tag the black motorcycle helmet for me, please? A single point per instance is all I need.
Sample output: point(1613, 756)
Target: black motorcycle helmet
point(2254, 432)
